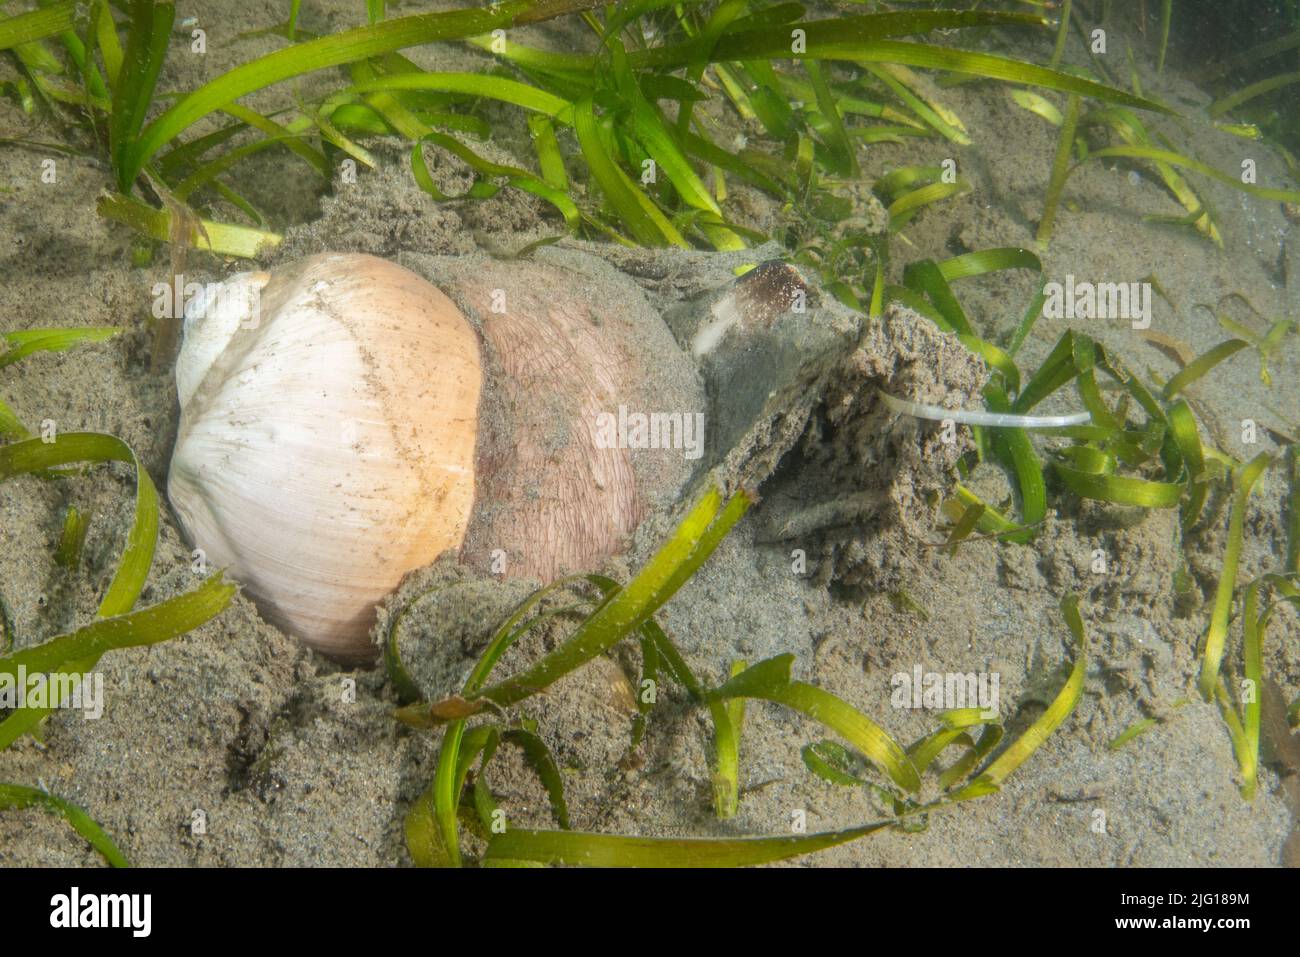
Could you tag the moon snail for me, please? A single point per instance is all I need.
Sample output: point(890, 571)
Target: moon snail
point(329, 439)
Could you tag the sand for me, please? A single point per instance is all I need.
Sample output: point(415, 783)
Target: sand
point(290, 760)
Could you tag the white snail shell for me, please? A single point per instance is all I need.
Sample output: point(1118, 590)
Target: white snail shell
point(320, 454)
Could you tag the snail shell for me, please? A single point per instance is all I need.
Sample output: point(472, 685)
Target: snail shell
point(326, 443)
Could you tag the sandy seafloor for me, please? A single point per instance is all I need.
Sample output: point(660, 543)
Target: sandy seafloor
point(238, 720)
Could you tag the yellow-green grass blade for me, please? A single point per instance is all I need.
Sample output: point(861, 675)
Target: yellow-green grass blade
point(898, 78)
point(902, 210)
point(33, 455)
point(37, 24)
point(148, 33)
point(347, 47)
point(1060, 172)
point(992, 777)
point(26, 342)
point(1015, 451)
point(1198, 367)
point(76, 524)
point(643, 218)
point(827, 38)
point(770, 680)
point(1166, 15)
point(483, 188)
point(1120, 489)
point(473, 84)
point(671, 566)
point(290, 135)
point(1219, 107)
point(1036, 103)
point(1134, 133)
point(110, 48)
point(147, 626)
point(997, 68)
point(726, 775)
point(11, 427)
point(1185, 162)
point(583, 849)
point(21, 796)
point(1243, 483)
point(220, 238)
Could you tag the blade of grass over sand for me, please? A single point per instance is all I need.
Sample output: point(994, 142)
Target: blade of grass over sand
point(770, 680)
point(1185, 162)
point(647, 223)
point(830, 38)
point(431, 828)
point(20, 796)
point(726, 776)
point(28, 341)
point(1197, 368)
point(76, 524)
point(1133, 132)
point(1166, 15)
point(148, 32)
point(148, 626)
point(689, 547)
point(432, 832)
point(35, 456)
point(1254, 623)
point(1219, 107)
point(1060, 171)
point(992, 777)
point(219, 238)
point(347, 47)
point(1243, 483)
point(1062, 34)
point(37, 24)
point(609, 850)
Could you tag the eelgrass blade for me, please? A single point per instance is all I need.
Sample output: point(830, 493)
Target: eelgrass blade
point(1060, 171)
point(37, 24)
point(992, 777)
point(35, 455)
point(1243, 483)
point(831, 38)
point(147, 626)
point(582, 849)
point(539, 757)
point(76, 524)
point(1177, 159)
point(28, 341)
point(220, 238)
point(1219, 107)
point(21, 796)
point(648, 224)
point(770, 680)
point(148, 32)
point(692, 543)
point(1201, 365)
point(1166, 15)
point(726, 774)
point(347, 47)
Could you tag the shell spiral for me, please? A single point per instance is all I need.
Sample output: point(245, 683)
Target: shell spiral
point(326, 443)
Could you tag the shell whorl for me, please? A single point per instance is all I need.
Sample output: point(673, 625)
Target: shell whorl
point(212, 318)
